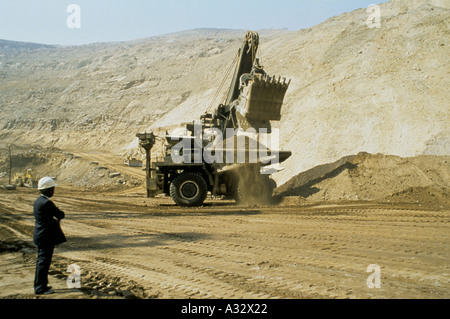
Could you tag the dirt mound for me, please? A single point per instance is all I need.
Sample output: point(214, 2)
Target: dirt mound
point(378, 90)
point(376, 177)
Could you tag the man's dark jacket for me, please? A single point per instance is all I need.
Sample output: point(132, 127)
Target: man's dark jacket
point(47, 231)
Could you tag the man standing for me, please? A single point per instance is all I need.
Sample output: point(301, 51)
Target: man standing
point(47, 233)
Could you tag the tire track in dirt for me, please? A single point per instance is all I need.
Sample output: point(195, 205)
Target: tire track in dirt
point(165, 280)
point(369, 247)
point(229, 248)
point(230, 251)
point(193, 253)
point(326, 240)
point(180, 288)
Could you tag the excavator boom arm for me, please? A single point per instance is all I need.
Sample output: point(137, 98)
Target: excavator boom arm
point(247, 56)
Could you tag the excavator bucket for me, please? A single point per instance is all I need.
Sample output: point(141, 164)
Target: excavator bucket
point(261, 97)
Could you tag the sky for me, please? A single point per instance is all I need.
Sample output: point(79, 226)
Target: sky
point(90, 21)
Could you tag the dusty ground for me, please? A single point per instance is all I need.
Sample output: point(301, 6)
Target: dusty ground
point(354, 89)
point(129, 246)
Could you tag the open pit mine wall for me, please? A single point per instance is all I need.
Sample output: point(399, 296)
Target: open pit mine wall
point(353, 88)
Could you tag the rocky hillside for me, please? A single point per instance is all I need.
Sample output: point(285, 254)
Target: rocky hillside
point(353, 88)
point(101, 95)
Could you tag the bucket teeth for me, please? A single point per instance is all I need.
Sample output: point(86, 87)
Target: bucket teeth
point(262, 97)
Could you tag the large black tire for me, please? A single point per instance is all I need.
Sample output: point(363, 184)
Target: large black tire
point(18, 182)
point(188, 189)
point(31, 183)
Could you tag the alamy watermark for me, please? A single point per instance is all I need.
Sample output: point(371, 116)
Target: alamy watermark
point(374, 279)
point(237, 146)
point(374, 16)
point(73, 21)
point(74, 279)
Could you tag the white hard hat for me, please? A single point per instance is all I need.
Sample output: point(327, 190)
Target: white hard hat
point(46, 182)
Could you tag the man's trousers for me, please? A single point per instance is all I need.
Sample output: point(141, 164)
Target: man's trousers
point(43, 262)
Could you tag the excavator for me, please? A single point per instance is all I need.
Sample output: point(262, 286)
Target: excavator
point(229, 151)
